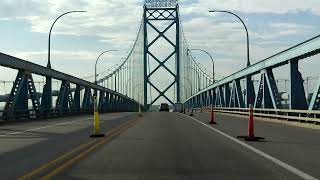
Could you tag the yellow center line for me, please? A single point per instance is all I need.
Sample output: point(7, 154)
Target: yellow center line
point(67, 154)
point(86, 152)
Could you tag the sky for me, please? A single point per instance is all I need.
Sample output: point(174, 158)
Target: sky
point(79, 38)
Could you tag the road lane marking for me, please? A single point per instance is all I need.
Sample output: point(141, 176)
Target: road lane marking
point(87, 151)
point(48, 126)
point(255, 150)
point(43, 127)
point(69, 153)
point(52, 162)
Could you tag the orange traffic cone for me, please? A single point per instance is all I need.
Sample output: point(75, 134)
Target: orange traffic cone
point(212, 117)
point(250, 136)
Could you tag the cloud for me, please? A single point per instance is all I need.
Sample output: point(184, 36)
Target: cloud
point(22, 8)
point(115, 23)
point(256, 6)
point(64, 60)
point(65, 55)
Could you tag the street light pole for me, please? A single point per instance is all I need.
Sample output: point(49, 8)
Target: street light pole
point(46, 100)
point(95, 101)
point(199, 88)
point(95, 70)
point(120, 76)
point(212, 112)
point(133, 96)
point(185, 91)
point(245, 27)
point(128, 84)
point(49, 41)
point(189, 83)
point(213, 78)
point(95, 67)
point(139, 100)
point(190, 95)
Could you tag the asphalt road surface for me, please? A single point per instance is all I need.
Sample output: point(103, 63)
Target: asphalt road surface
point(159, 145)
point(175, 146)
point(29, 145)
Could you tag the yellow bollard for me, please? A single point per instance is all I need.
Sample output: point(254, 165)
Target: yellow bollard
point(96, 120)
point(140, 112)
point(96, 123)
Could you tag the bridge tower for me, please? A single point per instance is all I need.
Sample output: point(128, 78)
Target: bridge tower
point(164, 11)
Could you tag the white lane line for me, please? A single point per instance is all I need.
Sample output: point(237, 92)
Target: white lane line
point(43, 127)
point(267, 156)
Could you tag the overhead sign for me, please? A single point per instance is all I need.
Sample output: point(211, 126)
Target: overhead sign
point(161, 3)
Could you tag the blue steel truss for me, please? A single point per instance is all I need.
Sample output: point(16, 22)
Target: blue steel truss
point(128, 77)
point(132, 76)
point(68, 100)
point(161, 14)
point(228, 93)
point(315, 100)
point(126, 87)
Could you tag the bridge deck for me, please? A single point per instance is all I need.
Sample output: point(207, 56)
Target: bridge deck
point(172, 146)
point(26, 146)
point(161, 146)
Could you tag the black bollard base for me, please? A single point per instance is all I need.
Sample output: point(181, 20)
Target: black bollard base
point(97, 135)
point(191, 114)
point(248, 138)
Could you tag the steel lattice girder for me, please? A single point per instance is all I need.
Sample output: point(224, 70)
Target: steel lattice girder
point(17, 103)
point(76, 99)
point(102, 99)
point(264, 97)
point(64, 100)
point(236, 95)
point(171, 12)
point(294, 54)
point(267, 94)
point(19, 64)
point(45, 107)
point(87, 99)
point(315, 100)
point(174, 17)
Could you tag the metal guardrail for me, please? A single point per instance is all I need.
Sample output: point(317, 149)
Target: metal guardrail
point(53, 113)
point(67, 104)
point(283, 114)
point(303, 50)
point(19, 64)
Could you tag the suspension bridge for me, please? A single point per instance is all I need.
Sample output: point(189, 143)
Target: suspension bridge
point(46, 125)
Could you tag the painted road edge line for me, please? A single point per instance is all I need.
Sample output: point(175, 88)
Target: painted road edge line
point(263, 154)
point(43, 127)
point(48, 126)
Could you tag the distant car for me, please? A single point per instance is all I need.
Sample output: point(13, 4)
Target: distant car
point(164, 107)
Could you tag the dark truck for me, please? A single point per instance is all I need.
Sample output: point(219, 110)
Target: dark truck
point(164, 107)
